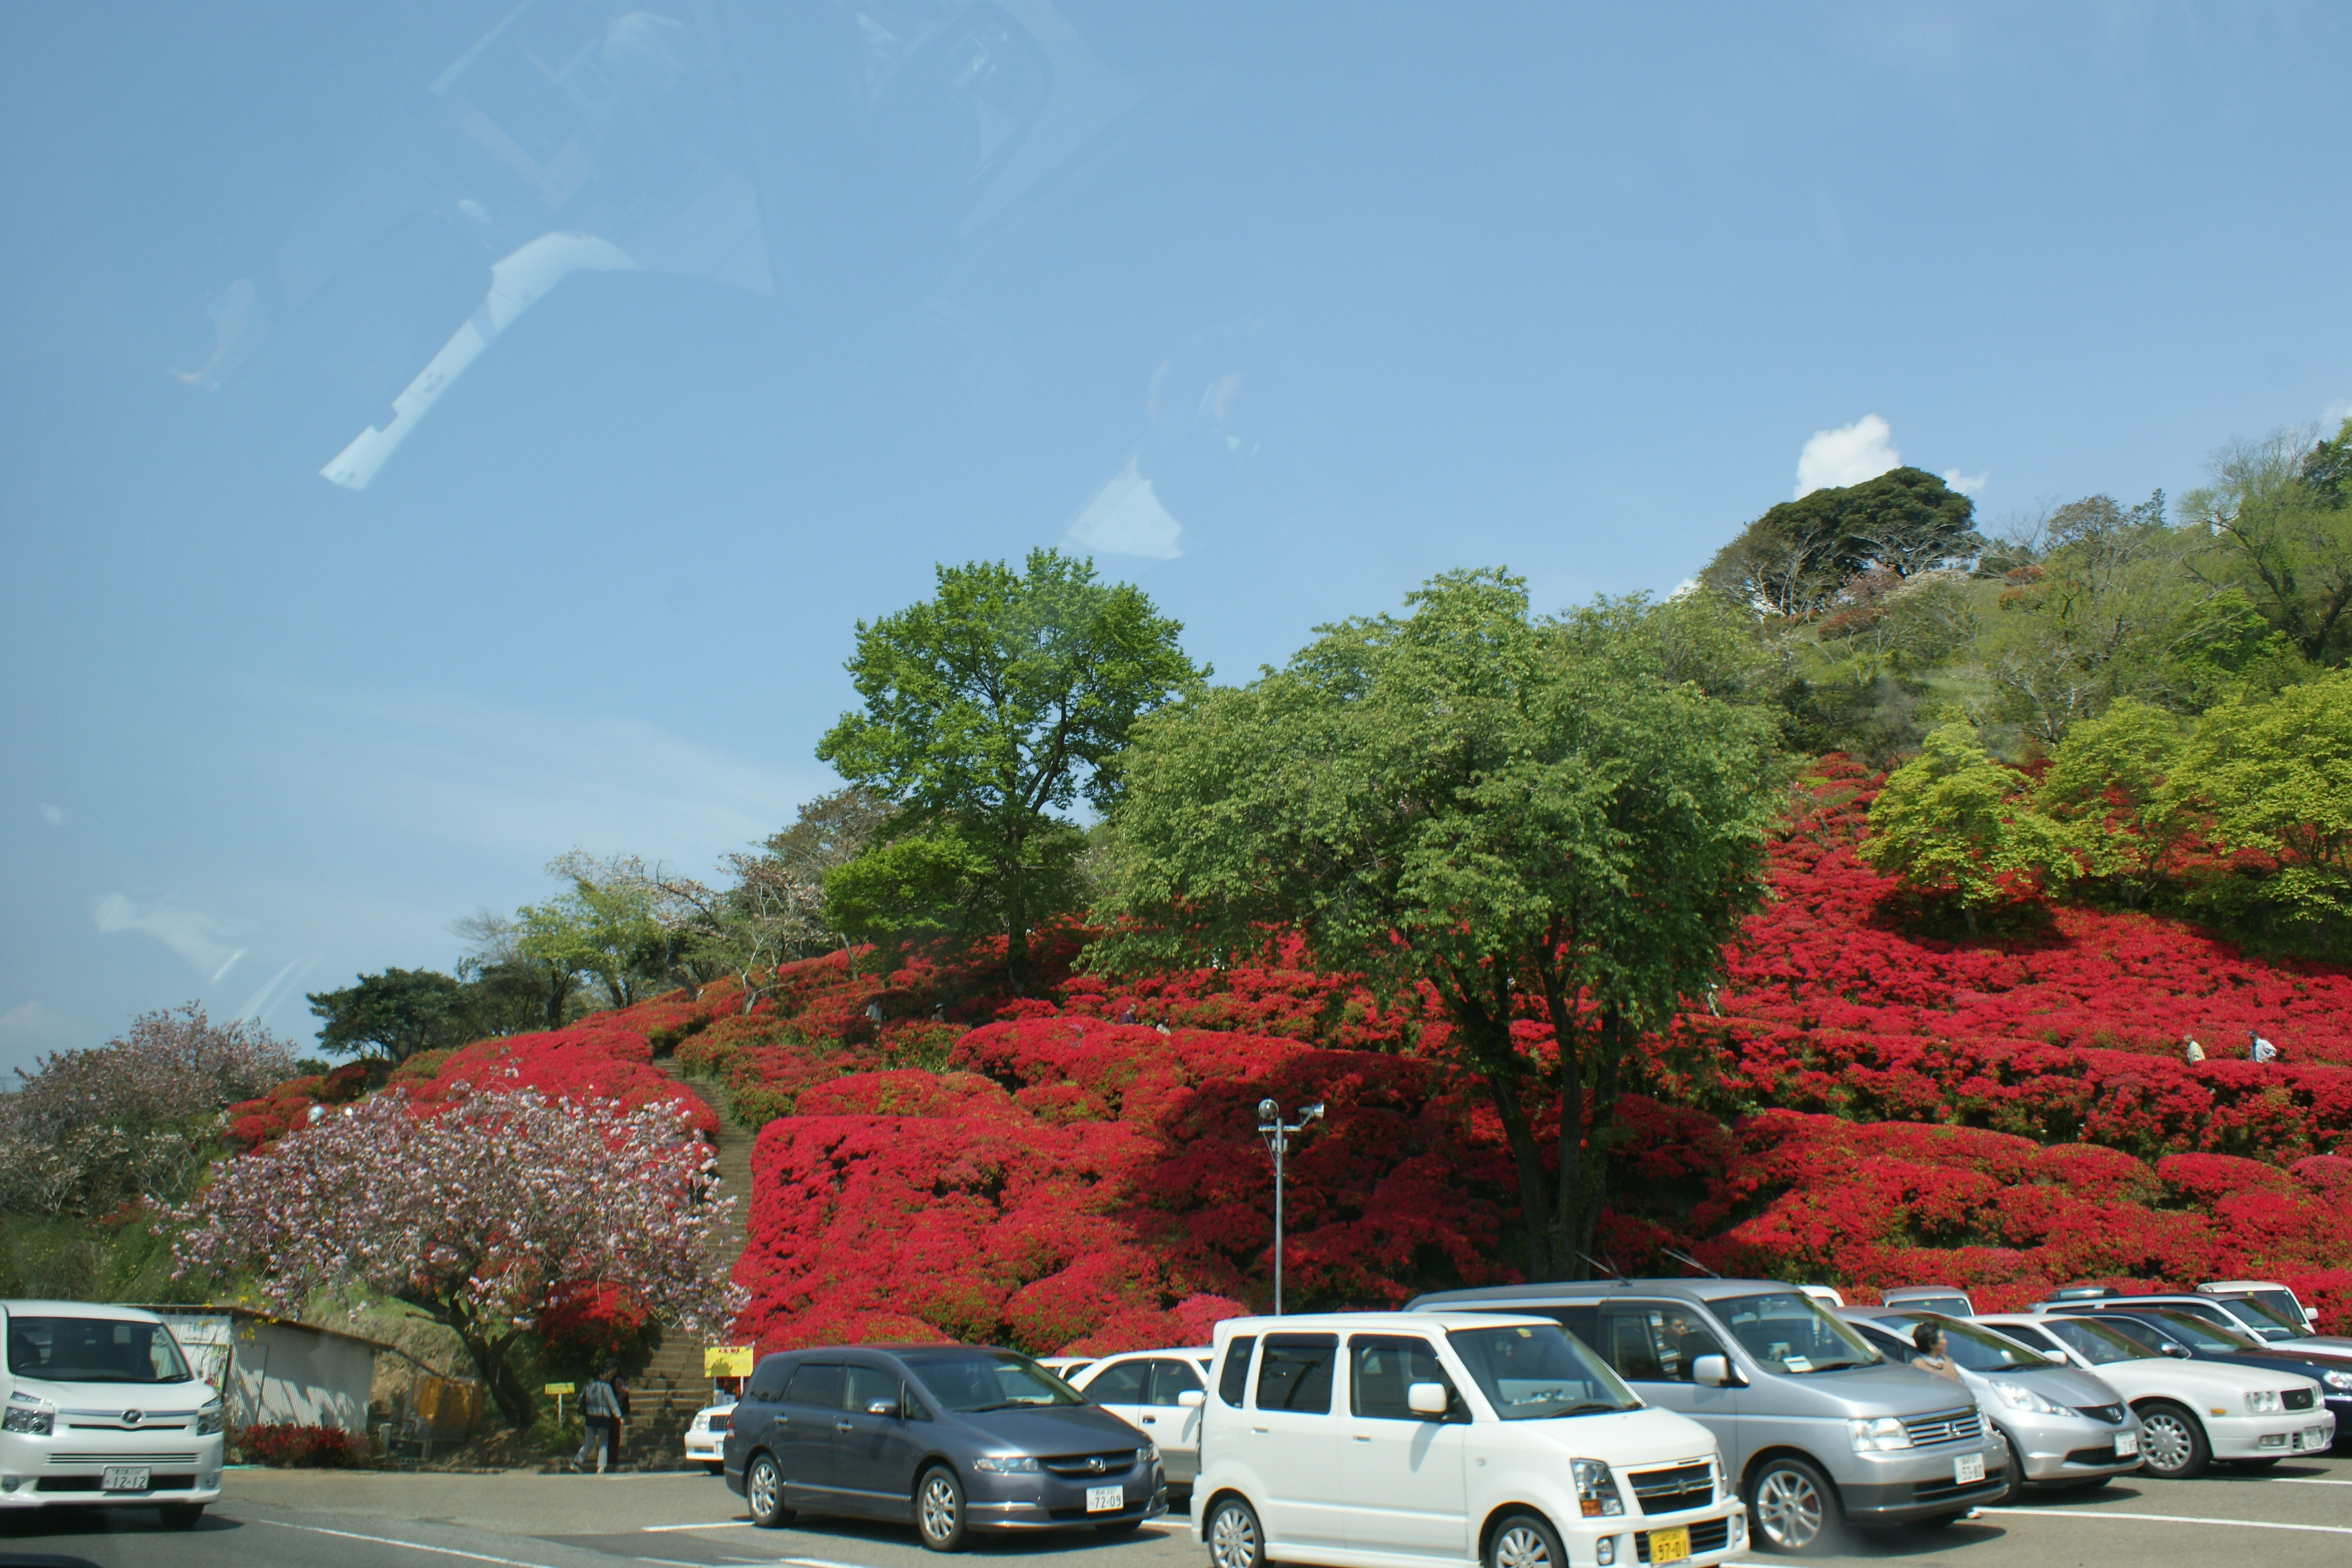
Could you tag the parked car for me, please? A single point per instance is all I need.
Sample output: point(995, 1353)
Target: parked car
point(1159, 1393)
point(98, 1407)
point(1818, 1427)
point(2243, 1315)
point(2191, 1413)
point(1065, 1367)
point(950, 1438)
point(1948, 1301)
point(706, 1435)
point(2066, 1429)
point(1443, 1437)
point(2271, 1293)
point(2185, 1335)
point(1827, 1295)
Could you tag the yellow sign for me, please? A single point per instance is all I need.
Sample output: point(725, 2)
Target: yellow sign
point(561, 1388)
point(726, 1361)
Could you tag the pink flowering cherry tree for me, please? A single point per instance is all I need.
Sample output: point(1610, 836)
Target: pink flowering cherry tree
point(479, 1216)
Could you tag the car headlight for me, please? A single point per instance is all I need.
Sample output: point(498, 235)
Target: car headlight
point(2263, 1401)
point(1876, 1435)
point(30, 1416)
point(2339, 1381)
point(1147, 1454)
point(1596, 1488)
point(1007, 1464)
point(208, 1419)
point(2024, 1398)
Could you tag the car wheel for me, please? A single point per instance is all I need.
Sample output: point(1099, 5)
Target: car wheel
point(1790, 1506)
point(2172, 1441)
point(2013, 1465)
point(1234, 1538)
point(938, 1509)
point(764, 1488)
point(181, 1515)
point(1525, 1540)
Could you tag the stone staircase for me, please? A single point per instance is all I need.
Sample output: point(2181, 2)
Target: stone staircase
point(664, 1397)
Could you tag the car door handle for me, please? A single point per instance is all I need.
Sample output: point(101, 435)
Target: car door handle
point(1150, 1420)
point(1361, 1439)
point(841, 1426)
point(1257, 1428)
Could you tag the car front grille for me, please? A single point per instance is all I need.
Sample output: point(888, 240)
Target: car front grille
point(1963, 1426)
point(1093, 1466)
point(149, 1459)
point(1674, 1489)
point(1706, 1535)
point(2111, 1414)
point(2296, 1399)
point(2105, 1456)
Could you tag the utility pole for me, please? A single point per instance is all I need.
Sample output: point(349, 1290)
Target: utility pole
point(1277, 1136)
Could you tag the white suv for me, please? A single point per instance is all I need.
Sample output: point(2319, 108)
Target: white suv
point(1445, 1437)
point(99, 1406)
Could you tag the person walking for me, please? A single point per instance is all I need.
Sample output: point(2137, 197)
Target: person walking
point(2258, 1049)
point(599, 1414)
point(2192, 1050)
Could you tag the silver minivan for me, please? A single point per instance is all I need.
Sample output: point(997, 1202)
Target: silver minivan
point(1817, 1426)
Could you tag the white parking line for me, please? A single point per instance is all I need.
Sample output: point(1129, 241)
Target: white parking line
point(715, 1524)
point(2169, 1519)
point(391, 1540)
point(2308, 1481)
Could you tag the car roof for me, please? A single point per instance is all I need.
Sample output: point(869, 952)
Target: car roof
point(31, 1307)
point(1580, 1289)
point(1194, 1352)
point(1378, 1322)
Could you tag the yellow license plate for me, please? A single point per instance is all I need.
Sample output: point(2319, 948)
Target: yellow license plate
point(1668, 1546)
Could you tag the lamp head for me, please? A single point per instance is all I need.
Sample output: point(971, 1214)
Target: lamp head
point(1312, 1113)
point(1267, 1110)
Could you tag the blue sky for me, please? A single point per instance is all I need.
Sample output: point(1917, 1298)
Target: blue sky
point(1278, 308)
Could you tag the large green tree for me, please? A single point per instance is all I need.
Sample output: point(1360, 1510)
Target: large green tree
point(2279, 510)
point(608, 924)
point(990, 710)
point(2276, 775)
point(398, 1014)
point(1955, 823)
point(1796, 558)
point(1530, 815)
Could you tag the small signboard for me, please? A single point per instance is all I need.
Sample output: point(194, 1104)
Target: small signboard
point(726, 1361)
point(561, 1388)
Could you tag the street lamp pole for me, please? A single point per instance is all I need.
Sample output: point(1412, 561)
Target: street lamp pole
point(1277, 1134)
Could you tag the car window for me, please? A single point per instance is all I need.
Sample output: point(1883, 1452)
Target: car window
point(871, 1385)
point(2097, 1344)
point(1887, 1344)
point(1382, 1368)
point(1295, 1372)
point(93, 1350)
point(816, 1382)
point(2032, 1337)
point(2200, 1333)
point(1121, 1382)
point(1534, 1373)
point(1170, 1379)
point(1789, 1332)
point(2283, 1303)
point(2260, 1317)
point(1654, 1341)
point(974, 1380)
point(1232, 1383)
point(1947, 1306)
point(768, 1380)
point(1979, 1350)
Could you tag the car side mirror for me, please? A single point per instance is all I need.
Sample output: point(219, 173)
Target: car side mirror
point(1191, 1399)
point(2180, 1350)
point(1427, 1399)
point(882, 1407)
point(1711, 1371)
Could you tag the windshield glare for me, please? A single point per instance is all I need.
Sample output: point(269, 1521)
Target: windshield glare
point(93, 1350)
point(1979, 1350)
point(2101, 1344)
point(1532, 1372)
point(1790, 1332)
point(968, 1380)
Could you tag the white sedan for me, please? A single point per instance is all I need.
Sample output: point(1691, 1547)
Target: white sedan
point(706, 1435)
point(1158, 1394)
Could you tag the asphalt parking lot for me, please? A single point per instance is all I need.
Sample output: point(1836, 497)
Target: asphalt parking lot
point(2297, 1513)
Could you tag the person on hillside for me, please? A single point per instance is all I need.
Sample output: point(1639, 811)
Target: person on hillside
point(2192, 1050)
point(599, 1414)
point(2258, 1049)
point(1929, 1339)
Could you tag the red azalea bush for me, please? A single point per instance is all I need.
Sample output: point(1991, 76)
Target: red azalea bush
point(284, 1443)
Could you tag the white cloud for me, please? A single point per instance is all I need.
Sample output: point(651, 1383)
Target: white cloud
point(1847, 455)
point(194, 935)
point(54, 815)
point(1967, 484)
point(1124, 518)
point(28, 1030)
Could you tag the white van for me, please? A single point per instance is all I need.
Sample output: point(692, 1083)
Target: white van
point(1382, 1439)
point(98, 1406)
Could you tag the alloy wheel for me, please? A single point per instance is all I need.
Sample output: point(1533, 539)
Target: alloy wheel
point(939, 1508)
point(1233, 1537)
point(1521, 1547)
point(1789, 1510)
point(763, 1489)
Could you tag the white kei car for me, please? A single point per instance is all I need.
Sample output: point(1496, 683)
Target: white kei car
point(706, 1435)
point(2192, 1412)
point(1146, 1389)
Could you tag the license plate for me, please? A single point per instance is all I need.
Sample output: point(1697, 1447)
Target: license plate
point(1669, 1545)
point(123, 1478)
point(1967, 1467)
point(1106, 1499)
point(2127, 1445)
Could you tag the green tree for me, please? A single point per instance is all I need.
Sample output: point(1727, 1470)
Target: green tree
point(2276, 775)
point(1795, 558)
point(513, 991)
point(2279, 510)
point(399, 1013)
point(990, 708)
point(1953, 822)
point(608, 925)
point(2107, 789)
point(1528, 815)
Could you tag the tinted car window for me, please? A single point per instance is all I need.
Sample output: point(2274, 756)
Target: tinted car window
point(1789, 1332)
point(871, 1385)
point(1654, 1341)
point(768, 1380)
point(1232, 1383)
point(2097, 1344)
point(2204, 1335)
point(93, 1350)
point(816, 1382)
point(975, 1380)
point(1382, 1368)
point(1531, 1373)
point(1169, 1379)
point(1120, 1383)
point(1295, 1373)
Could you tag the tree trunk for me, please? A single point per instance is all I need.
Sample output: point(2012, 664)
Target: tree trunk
point(1497, 1062)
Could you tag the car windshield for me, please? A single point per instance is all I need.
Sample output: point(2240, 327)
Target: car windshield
point(971, 1381)
point(1979, 1350)
point(2201, 1333)
point(93, 1350)
point(2260, 1317)
point(1789, 1332)
point(2282, 1305)
point(2101, 1344)
point(1948, 1306)
point(1533, 1372)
